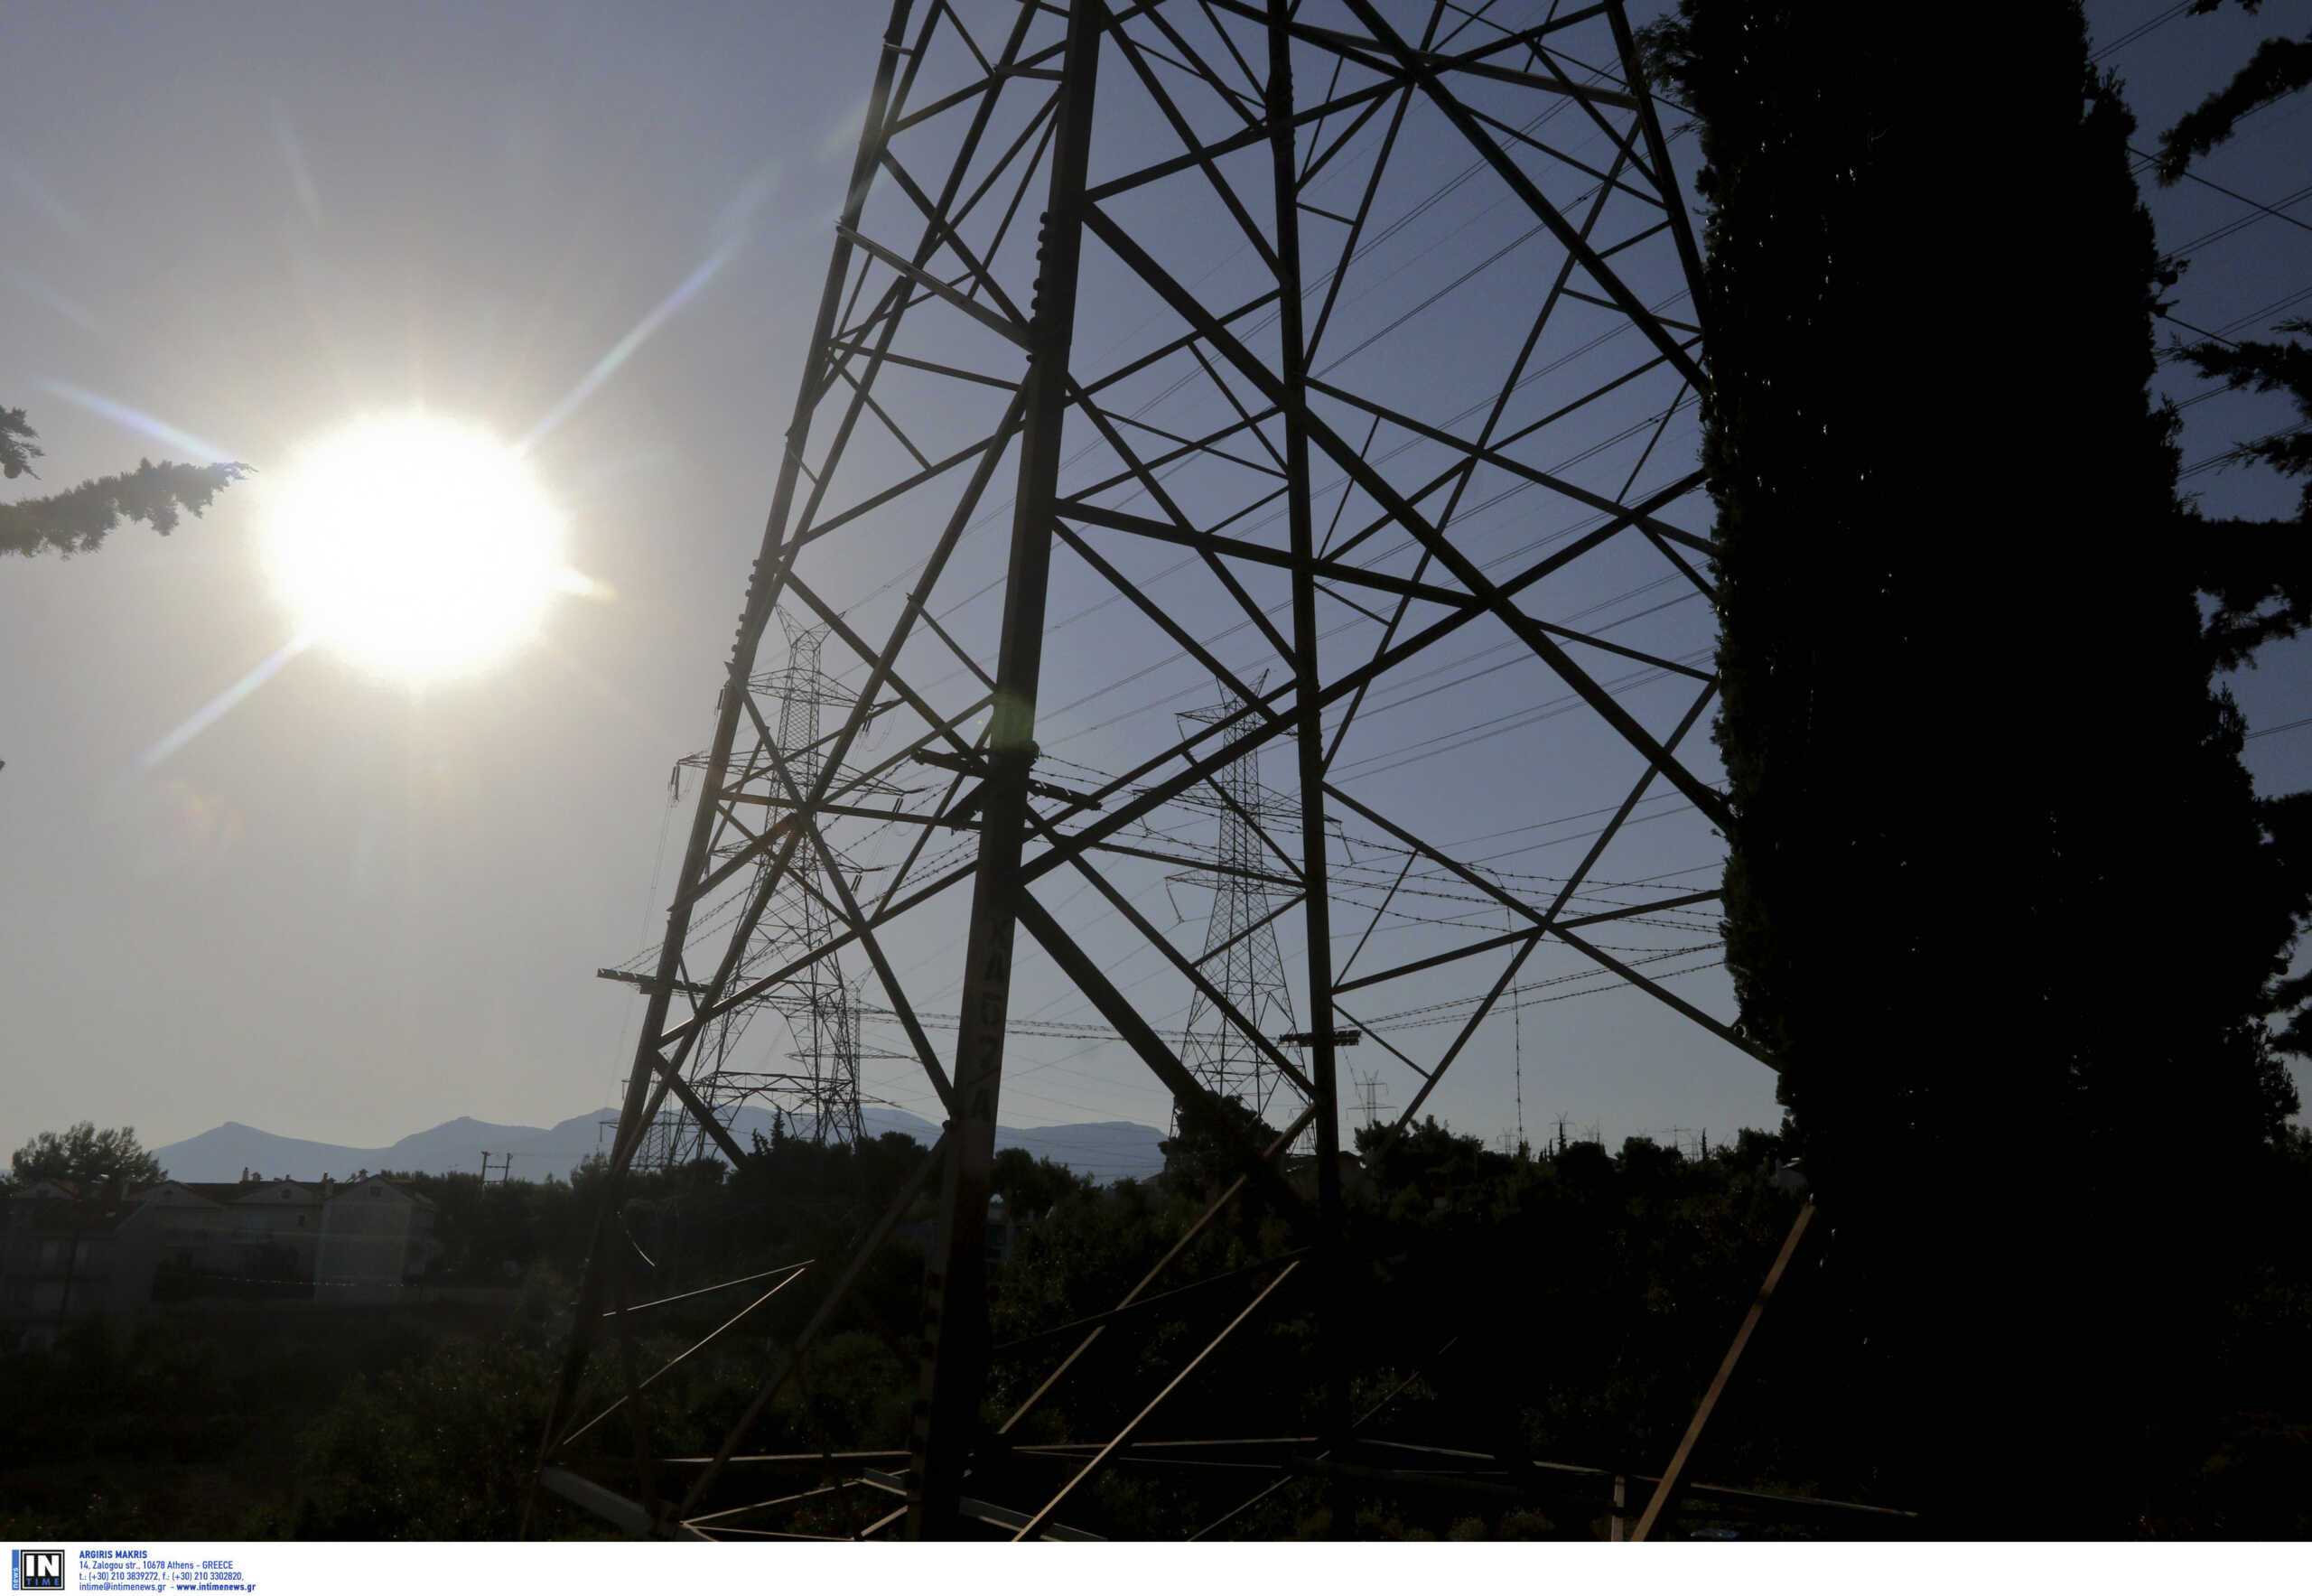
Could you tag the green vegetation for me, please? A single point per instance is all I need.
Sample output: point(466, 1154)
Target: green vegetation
point(79, 519)
point(1587, 1295)
point(2280, 67)
point(186, 1424)
point(86, 1154)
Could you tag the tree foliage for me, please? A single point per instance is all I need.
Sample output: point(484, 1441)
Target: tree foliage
point(2279, 66)
point(2257, 575)
point(1033, 1186)
point(1999, 894)
point(1200, 1155)
point(79, 519)
point(2268, 368)
point(1564, 1307)
point(89, 1155)
point(442, 1448)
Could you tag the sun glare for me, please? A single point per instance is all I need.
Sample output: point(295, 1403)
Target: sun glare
point(415, 546)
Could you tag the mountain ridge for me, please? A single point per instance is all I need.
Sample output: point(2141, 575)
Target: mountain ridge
point(1104, 1149)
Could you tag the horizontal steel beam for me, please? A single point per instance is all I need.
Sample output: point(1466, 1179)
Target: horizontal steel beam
point(609, 1506)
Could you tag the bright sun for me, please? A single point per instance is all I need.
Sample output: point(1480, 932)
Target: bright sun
point(416, 546)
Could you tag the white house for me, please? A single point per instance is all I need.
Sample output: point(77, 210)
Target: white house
point(376, 1234)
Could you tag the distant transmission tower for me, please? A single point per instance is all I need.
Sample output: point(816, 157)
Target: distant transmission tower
point(1241, 957)
point(822, 1009)
point(818, 1094)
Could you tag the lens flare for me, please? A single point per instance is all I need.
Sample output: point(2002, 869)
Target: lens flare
point(416, 547)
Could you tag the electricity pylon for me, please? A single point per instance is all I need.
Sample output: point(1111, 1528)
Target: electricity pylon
point(1241, 957)
point(1149, 291)
point(817, 1094)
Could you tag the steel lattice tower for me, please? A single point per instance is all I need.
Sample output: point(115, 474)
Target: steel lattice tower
point(821, 1008)
point(1241, 956)
point(1118, 318)
point(818, 1094)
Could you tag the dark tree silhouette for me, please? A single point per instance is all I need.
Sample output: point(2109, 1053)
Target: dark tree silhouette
point(1033, 1186)
point(2258, 573)
point(79, 519)
point(1998, 894)
point(85, 1153)
point(2279, 67)
point(1198, 1156)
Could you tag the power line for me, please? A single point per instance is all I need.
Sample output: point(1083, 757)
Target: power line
point(2142, 30)
point(2232, 193)
point(2216, 235)
point(2238, 452)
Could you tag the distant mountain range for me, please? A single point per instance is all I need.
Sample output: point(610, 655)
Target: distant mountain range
point(1109, 1150)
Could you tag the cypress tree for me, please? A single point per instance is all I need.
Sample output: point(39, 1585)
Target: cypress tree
point(1997, 895)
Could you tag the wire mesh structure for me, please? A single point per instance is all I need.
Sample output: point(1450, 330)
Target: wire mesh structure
point(1135, 316)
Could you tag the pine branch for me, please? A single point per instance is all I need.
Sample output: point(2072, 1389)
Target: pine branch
point(2267, 367)
point(2279, 67)
point(17, 450)
point(79, 519)
point(2287, 822)
point(2259, 575)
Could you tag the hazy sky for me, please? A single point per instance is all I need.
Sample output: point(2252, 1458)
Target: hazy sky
point(346, 911)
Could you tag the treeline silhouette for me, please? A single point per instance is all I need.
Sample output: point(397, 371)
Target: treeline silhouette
point(1544, 1307)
